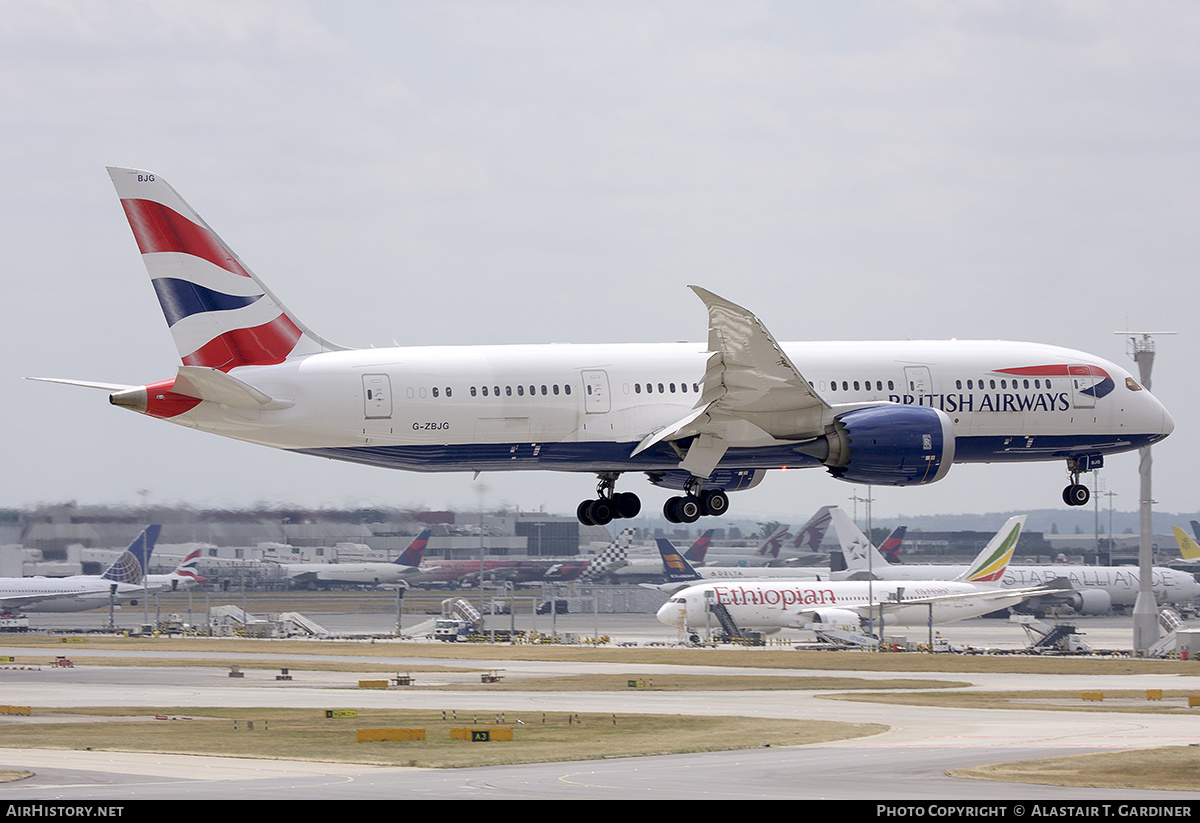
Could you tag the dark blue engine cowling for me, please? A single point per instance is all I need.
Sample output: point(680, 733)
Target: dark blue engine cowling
point(731, 480)
point(891, 446)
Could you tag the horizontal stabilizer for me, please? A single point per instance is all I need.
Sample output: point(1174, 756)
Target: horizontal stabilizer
point(108, 387)
point(218, 387)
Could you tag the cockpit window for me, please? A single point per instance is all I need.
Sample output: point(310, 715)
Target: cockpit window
point(1131, 384)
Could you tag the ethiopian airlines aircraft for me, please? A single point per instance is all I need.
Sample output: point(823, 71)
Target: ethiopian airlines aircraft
point(1093, 589)
point(771, 605)
point(701, 418)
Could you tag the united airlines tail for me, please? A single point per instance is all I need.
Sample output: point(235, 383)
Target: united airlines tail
point(131, 566)
point(220, 314)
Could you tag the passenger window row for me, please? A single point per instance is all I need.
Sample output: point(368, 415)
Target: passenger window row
point(663, 388)
point(866, 385)
point(1036, 383)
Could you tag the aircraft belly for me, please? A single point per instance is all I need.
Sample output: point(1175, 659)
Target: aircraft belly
point(582, 456)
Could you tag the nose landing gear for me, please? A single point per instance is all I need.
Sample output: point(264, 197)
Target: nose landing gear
point(1077, 494)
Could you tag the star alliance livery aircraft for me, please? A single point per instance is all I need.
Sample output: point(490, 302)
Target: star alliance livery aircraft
point(701, 418)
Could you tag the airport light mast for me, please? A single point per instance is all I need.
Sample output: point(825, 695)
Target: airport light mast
point(1145, 609)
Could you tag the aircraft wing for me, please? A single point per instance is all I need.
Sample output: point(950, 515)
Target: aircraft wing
point(750, 389)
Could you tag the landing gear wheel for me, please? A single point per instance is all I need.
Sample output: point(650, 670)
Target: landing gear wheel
point(682, 509)
point(627, 505)
point(669, 510)
point(608, 506)
point(582, 514)
point(1076, 494)
point(714, 503)
point(600, 512)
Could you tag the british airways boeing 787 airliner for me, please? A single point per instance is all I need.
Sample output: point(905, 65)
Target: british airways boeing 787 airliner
point(701, 418)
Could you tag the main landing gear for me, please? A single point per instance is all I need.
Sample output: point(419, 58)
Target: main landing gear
point(1077, 494)
point(608, 505)
point(695, 504)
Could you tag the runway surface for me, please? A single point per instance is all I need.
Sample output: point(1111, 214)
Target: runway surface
point(908, 762)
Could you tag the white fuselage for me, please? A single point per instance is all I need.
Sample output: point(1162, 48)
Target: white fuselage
point(1119, 582)
point(62, 594)
point(368, 573)
point(774, 605)
point(586, 407)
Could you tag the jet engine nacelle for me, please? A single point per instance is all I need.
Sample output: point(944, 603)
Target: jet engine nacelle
point(891, 446)
point(837, 617)
point(1090, 601)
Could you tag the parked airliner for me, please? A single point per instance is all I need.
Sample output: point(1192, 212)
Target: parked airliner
point(772, 605)
point(182, 578)
point(81, 592)
point(701, 418)
point(403, 568)
point(1093, 590)
point(679, 573)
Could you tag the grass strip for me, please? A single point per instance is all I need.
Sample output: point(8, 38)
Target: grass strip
point(306, 734)
point(1170, 768)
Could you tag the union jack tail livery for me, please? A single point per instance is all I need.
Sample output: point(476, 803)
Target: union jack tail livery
point(188, 569)
point(221, 316)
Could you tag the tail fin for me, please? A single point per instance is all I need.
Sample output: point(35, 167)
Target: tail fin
point(131, 566)
point(700, 547)
point(991, 563)
point(415, 551)
point(810, 536)
point(187, 570)
point(614, 556)
point(854, 544)
point(890, 548)
point(774, 542)
point(1188, 548)
point(675, 568)
point(1196, 529)
point(221, 316)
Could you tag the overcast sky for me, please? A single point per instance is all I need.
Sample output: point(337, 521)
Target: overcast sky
point(459, 173)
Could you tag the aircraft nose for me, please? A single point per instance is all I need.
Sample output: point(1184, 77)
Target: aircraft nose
point(1168, 422)
point(670, 613)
